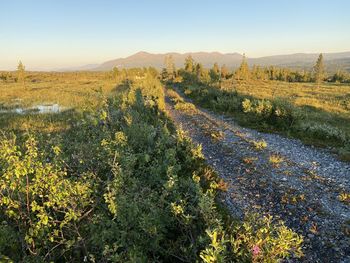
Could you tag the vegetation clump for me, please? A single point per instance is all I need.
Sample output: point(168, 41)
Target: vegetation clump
point(185, 106)
point(260, 145)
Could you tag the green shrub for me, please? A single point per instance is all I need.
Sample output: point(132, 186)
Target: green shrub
point(277, 113)
point(324, 131)
point(39, 199)
point(9, 243)
point(257, 239)
point(247, 106)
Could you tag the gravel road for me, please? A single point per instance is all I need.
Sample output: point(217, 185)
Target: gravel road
point(296, 183)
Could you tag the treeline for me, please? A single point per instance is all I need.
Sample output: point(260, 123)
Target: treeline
point(194, 71)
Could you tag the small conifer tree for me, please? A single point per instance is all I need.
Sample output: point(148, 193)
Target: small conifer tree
point(319, 70)
point(243, 71)
point(20, 72)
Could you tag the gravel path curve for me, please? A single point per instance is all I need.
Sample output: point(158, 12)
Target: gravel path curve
point(297, 183)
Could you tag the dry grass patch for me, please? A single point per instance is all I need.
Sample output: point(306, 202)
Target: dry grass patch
point(259, 145)
point(186, 107)
point(276, 160)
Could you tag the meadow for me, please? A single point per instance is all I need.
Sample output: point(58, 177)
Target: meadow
point(110, 179)
point(318, 115)
point(69, 89)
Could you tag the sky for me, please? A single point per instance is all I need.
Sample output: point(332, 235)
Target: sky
point(54, 34)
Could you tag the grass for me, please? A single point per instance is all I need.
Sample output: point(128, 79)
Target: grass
point(344, 197)
point(179, 102)
point(69, 89)
point(276, 160)
point(317, 116)
point(259, 145)
point(249, 160)
point(185, 107)
point(329, 97)
point(327, 106)
point(174, 96)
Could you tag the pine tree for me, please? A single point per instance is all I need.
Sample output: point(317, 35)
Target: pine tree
point(242, 72)
point(189, 64)
point(21, 72)
point(199, 71)
point(215, 73)
point(115, 74)
point(319, 70)
point(224, 72)
point(170, 67)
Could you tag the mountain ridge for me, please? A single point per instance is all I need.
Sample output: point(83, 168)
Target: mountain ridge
point(334, 61)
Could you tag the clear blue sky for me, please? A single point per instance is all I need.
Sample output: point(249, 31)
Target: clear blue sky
point(48, 34)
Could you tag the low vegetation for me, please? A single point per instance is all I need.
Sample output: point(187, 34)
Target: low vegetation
point(318, 113)
point(111, 180)
point(259, 145)
point(276, 160)
point(345, 197)
point(185, 106)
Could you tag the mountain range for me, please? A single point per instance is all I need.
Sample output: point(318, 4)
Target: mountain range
point(333, 61)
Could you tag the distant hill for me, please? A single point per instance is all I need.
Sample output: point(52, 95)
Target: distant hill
point(87, 67)
point(144, 59)
point(333, 61)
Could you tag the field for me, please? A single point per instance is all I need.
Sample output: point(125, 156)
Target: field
point(329, 103)
point(319, 116)
point(329, 97)
point(67, 89)
point(110, 179)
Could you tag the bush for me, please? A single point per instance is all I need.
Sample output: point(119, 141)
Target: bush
point(9, 243)
point(39, 199)
point(258, 239)
point(324, 131)
point(277, 113)
point(247, 106)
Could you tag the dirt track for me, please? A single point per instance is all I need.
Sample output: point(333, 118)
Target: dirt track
point(296, 183)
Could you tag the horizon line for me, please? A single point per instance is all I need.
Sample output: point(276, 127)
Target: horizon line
point(70, 68)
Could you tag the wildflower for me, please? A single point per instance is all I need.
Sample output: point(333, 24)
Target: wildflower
point(255, 250)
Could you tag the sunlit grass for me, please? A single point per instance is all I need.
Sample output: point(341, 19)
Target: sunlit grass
point(69, 90)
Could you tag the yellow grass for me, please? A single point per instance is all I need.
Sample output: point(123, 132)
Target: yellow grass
point(66, 89)
point(330, 97)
